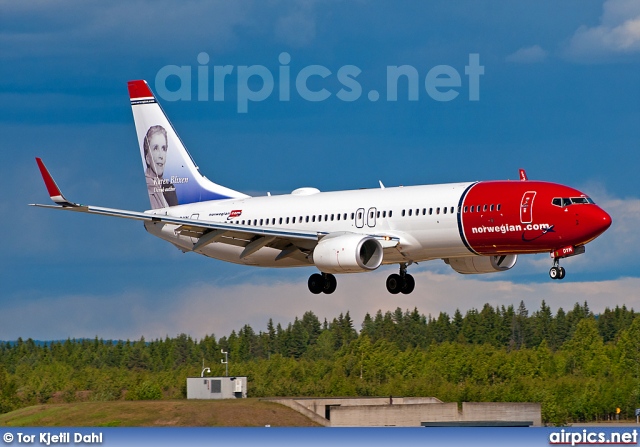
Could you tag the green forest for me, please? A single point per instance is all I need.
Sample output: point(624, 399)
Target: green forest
point(578, 365)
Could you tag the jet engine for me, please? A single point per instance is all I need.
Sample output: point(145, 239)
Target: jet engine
point(347, 253)
point(482, 264)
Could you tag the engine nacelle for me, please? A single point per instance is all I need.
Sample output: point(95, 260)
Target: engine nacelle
point(482, 264)
point(347, 253)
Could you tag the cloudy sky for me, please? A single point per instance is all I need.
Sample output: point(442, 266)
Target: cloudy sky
point(559, 96)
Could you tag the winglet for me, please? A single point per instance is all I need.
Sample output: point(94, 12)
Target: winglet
point(523, 175)
point(52, 187)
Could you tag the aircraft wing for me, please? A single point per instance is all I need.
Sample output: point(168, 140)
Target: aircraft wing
point(295, 243)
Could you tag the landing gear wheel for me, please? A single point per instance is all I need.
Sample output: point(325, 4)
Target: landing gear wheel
point(394, 283)
point(330, 283)
point(554, 272)
point(408, 284)
point(316, 283)
point(561, 273)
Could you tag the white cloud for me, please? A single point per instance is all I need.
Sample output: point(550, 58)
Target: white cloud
point(528, 55)
point(202, 309)
point(617, 35)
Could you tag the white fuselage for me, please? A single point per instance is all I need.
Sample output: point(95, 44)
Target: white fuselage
point(424, 218)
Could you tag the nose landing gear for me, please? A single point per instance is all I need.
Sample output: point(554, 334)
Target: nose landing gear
point(401, 283)
point(557, 272)
point(322, 283)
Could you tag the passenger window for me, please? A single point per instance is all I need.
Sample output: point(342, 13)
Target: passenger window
point(384, 214)
point(345, 216)
point(306, 219)
point(287, 220)
point(403, 213)
point(465, 209)
point(378, 215)
point(337, 216)
point(430, 211)
point(390, 213)
point(438, 210)
point(410, 212)
point(293, 220)
point(484, 208)
point(353, 216)
point(313, 218)
point(491, 207)
point(499, 206)
point(444, 211)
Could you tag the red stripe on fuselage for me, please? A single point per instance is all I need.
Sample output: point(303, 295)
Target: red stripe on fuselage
point(519, 217)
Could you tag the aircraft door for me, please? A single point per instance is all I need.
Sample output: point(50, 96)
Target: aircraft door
point(371, 217)
point(360, 218)
point(526, 207)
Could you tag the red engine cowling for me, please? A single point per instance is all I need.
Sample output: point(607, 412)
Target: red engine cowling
point(347, 253)
point(482, 264)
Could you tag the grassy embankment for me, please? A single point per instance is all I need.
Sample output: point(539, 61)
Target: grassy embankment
point(175, 413)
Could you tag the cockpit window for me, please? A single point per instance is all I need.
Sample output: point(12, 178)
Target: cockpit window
point(566, 201)
point(579, 200)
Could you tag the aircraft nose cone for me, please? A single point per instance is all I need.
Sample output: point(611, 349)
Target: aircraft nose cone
point(598, 222)
point(605, 220)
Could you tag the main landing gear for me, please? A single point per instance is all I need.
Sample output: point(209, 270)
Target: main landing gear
point(556, 272)
point(402, 283)
point(322, 283)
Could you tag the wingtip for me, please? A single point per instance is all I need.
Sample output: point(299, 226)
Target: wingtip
point(52, 187)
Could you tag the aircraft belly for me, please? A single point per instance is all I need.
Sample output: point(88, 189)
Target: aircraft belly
point(434, 242)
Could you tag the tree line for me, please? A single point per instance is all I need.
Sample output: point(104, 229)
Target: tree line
point(580, 366)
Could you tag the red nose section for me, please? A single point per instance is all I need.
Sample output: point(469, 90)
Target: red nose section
point(605, 220)
point(596, 221)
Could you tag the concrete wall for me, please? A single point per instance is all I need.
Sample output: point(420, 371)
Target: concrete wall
point(409, 412)
point(409, 415)
point(502, 411)
point(319, 405)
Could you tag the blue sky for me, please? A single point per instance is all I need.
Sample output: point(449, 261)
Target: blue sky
point(559, 96)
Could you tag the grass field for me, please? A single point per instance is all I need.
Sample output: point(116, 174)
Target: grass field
point(161, 413)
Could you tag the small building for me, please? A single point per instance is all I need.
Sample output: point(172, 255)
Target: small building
point(217, 387)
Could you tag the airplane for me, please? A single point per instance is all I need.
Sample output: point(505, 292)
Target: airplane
point(475, 227)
